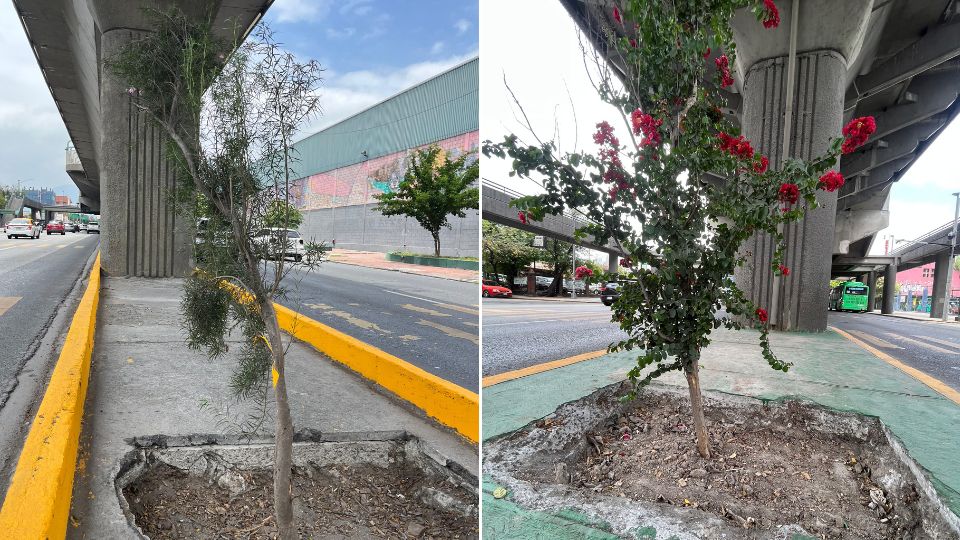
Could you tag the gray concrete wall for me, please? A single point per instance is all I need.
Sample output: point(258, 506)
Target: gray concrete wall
point(361, 227)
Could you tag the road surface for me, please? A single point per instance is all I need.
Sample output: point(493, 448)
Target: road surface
point(35, 277)
point(430, 322)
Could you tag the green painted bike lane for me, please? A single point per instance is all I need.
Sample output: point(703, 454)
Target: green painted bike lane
point(828, 370)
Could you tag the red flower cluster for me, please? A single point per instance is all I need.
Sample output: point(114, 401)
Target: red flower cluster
point(784, 270)
point(648, 126)
point(522, 216)
point(789, 193)
point(604, 135)
point(582, 272)
point(857, 131)
point(762, 315)
point(616, 15)
point(633, 43)
point(723, 64)
point(614, 174)
point(706, 53)
point(761, 166)
point(771, 15)
point(831, 181)
point(626, 262)
point(736, 146)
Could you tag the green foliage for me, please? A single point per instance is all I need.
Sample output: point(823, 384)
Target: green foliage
point(506, 250)
point(282, 215)
point(207, 311)
point(673, 197)
point(433, 188)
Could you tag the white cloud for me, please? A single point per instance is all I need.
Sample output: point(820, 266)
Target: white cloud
point(333, 33)
point(356, 7)
point(462, 25)
point(300, 10)
point(437, 48)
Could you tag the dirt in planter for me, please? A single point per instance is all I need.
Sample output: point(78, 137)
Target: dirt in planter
point(329, 503)
point(766, 470)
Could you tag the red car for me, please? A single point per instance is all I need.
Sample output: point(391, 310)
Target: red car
point(55, 227)
point(491, 289)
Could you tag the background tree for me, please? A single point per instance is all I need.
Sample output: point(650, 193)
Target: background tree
point(654, 195)
point(433, 188)
point(282, 215)
point(559, 256)
point(506, 250)
point(229, 118)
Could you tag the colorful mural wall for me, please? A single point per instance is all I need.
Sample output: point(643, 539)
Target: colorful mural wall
point(359, 183)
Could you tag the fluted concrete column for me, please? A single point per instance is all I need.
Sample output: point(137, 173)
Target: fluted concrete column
point(889, 289)
point(613, 263)
point(938, 296)
point(872, 291)
point(141, 232)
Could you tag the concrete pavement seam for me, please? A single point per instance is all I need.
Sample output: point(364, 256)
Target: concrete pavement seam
point(37, 503)
point(407, 272)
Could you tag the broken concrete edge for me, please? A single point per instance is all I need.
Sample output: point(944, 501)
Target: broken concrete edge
point(37, 503)
point(447, 403)
point(147, 449)
point(570, 516)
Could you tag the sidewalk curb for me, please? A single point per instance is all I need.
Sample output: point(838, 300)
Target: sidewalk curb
point(37, 503)
point(406, 272)
point(442, 400)
point(909, 318)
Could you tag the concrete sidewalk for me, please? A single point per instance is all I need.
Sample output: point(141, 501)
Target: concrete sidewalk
point(916, 316)
point(375, 259)
point(145, 381)
point(828, 370)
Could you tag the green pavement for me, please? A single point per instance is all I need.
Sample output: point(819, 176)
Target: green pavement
point(828, 369)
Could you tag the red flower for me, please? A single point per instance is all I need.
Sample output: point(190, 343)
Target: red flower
point(784, 270)
point(771, 15)
point(762, 315)
point(616, 15)
point(648, 126)
point(736, 146)
point(522, 216)
point(857, 131)
point(633, 43)
point(723, 65)
point(582, 272)
point(613, 192)
point(789, 193)
point(626, 262)
point(831, 181)
point(761, 166)
point(706, 54)
point(604, 135)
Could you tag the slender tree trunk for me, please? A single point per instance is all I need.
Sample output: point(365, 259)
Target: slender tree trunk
point(283, 464)
point(696, 404)
point(436, 244)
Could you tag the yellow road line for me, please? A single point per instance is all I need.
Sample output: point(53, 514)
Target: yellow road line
point(7, 302)
point(936, 384)
point(933, 348)
point(540, 368)
point(426, 311)
point(452, 332)
point(875, 340)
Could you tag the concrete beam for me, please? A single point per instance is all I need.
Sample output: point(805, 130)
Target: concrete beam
point(877, 260)
point(935, 93)
point(862, 188)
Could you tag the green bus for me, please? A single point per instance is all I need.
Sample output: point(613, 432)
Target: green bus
point(849, 296)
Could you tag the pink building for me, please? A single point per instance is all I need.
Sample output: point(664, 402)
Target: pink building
point(916, 285)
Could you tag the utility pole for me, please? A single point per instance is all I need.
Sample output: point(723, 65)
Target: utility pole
point(953, 246)
point(573, 271)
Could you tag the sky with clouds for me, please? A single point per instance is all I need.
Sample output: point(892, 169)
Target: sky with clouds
point(921, 200)
point(370, 50)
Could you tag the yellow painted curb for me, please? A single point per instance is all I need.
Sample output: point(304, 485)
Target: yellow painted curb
point(448, 403)
point(936, 384)
point(540, 368)
point(37, 503)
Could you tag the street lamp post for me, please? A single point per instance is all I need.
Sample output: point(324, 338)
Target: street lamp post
point(953, 246)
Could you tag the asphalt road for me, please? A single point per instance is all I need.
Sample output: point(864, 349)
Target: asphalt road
point(35, 277)
point(929, 346)
point(430, 322)
point(518, 333)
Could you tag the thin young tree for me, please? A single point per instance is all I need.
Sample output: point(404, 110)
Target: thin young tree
point(433, 188)
point(685, 191)
point(229, 111)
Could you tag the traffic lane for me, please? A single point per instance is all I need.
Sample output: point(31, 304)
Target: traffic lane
point(519, 333)
point(931, 347)
point(35, 278)
point(430, 322)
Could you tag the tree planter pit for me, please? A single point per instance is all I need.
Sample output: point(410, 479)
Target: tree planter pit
point(346, 485)
point(785, 470)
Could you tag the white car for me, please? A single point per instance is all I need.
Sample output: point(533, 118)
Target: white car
point(271, 240)
point(25, 227)
point(93, 226)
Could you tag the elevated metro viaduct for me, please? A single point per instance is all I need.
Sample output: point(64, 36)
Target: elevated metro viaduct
point(896, 60)
point(119, 165)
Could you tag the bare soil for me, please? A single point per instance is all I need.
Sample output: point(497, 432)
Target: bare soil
point(329, 503)
point(767, 469)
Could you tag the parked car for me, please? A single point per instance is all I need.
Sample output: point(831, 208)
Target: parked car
point(280, 243)
point(56, 227)
point(93, 226)
point(25, 227)
point(492, 290)
point(609, 293)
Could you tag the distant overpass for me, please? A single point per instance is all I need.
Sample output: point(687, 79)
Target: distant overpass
point(119, 162)
point(496, 208)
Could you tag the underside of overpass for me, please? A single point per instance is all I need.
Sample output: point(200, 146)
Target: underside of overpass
point(117, 160)
point(897, 60)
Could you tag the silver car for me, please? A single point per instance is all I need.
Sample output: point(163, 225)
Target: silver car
point(24, 227)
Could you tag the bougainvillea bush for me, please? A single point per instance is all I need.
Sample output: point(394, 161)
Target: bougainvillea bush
point(685, 190)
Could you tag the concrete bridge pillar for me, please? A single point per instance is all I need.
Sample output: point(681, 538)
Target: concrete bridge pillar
point(889, 289)
point(870, 279)
point(142, 233)
point(938, 299)
point(829, 35)
point(613, 263)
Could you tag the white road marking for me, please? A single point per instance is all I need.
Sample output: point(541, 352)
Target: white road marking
point(922, 344)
